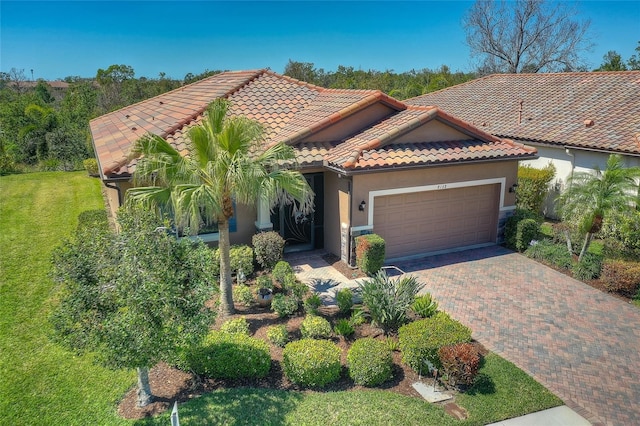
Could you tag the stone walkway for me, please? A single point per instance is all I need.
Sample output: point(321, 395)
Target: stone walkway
point(580, 343)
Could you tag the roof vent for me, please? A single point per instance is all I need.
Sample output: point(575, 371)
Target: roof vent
point(588, 123)
point(161, 102)
point(127, 116)
point(134, 128)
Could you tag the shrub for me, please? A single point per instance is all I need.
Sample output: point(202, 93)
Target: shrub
point(623, 226)
point(343, 328)
point(230, 356)
point(268, 247)
point(297, 289)
point(392, 344)
point(614, 249)
point(315, 327)
point(421, 340)
point(546, 251)
point(588, 268)
point(235, 326)
point(243, 295)
point(312, 363)
point(312, 303)
point(370, 252)
point(388, 300)
point(91, 166)
point(278, 335)
point(344, 299)
point(621, 276)
point(281, 271)
point(92, 219)
point(533, 187)
point(264, 281)
point(511, 226)
point(526, 231)
point(284, 305)
point(369, 361)
point(241, 259)
point(358, 317)
point(424, 306)
point(460, 363)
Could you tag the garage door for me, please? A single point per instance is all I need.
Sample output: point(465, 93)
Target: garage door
point(422, 222)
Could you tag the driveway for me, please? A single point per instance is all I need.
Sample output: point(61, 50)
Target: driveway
point(580, 343)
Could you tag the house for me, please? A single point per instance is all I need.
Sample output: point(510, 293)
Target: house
point(575, 120)
point(423, 179)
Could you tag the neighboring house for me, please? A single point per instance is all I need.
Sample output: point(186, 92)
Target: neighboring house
point(421, 178)
point(575, 120)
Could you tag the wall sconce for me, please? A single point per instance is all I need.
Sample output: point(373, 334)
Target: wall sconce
point(513, 187)
point(361, 206)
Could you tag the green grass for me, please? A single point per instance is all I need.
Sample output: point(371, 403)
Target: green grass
point(42, 384)
point(503, 391)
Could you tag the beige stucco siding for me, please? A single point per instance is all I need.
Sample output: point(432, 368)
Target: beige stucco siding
point(433, 131)
point(352, 124)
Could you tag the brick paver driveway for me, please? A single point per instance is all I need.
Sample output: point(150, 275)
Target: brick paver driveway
point(580, 343)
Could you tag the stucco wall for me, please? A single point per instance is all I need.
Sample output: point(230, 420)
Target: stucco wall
point(433, 131)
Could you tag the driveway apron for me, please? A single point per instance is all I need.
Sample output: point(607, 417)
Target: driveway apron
point(580, 343)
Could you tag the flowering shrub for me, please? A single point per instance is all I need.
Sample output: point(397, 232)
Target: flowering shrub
point(460, 363)
point(315, 327)
point(369, 361)
point(312, 363)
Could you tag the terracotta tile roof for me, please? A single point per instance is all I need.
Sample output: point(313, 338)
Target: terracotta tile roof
point(593, 110)
point(291, 111)
point(378, 146)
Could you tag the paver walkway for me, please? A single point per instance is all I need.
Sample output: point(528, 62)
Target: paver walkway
point(578, 342)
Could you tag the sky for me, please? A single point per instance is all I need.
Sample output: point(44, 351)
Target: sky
point(60, 39)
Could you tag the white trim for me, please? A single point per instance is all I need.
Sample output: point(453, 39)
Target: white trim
point(361, 228)
point(439, 187)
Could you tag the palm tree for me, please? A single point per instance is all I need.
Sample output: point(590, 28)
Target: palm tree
point(590, 196)
point(226, 163)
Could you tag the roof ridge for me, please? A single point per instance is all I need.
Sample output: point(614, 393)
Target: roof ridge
point(295, 80)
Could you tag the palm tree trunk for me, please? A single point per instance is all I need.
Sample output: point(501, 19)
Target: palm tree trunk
point(144, 388)
point(226, 296)
point(585, 245)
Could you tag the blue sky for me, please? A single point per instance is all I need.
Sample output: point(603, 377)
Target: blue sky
point(59, 39)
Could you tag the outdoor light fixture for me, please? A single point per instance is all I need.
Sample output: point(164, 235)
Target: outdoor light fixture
point(361, 206)
point(513, 187)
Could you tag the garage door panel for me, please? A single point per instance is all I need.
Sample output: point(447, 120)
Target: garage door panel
point(421, 222)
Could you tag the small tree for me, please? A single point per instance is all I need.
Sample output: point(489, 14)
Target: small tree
point(133, 298)
point(591, 196)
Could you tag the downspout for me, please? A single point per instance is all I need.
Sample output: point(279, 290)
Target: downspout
point(117, 188)
point(573, 161)
point(352, 260)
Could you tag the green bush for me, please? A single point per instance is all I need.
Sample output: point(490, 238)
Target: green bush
point(392, 344)
point(91, 166)
point(621, 276)
point(235, 326)
point(312, 303)
point(230, 356)
point(344, 299)
point(268, 248)
point(284, 305)
point(369, 361)
point(264, 281)
point(312, 363)
point(511, 226)
point(92, 219)
point(623, 226)
point(358, 316)
point(370, 253)
point(343, 328)
point(588, 268)
point(424, 306)
point(278, 335)
point(533, 187)
point(460, 363)
point(554, 254)
point(243, 295)
point(421, 340)
point(526, 231)
point(297, 289)
point(315, 327)
point(281, 271)
point(241, 259)
point(388, 300)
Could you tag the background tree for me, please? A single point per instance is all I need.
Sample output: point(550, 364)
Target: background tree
point(226, 163)
point(525, 36)
point(612, 61)
point(133, 299)
point(589, 197)
point(634, 60)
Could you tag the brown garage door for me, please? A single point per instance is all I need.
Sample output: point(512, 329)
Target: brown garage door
point(429, 221)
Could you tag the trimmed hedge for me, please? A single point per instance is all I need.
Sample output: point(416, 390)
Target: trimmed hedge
point(511, 226)
point(281, 270)
point(268, 248)
point(283, 305)
point(312, 363)
point(526, 231)
point(230, 356)
point(369, 361)
point(421, 340)
point(370, 253)
point(243, 295)
point(278, 335)
point(241, 257)
point(315, 327)
point(533, 187)
point(235, 326)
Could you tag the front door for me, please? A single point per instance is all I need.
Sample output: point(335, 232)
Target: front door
point(302, 232)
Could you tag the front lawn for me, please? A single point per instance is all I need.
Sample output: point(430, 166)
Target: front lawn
point(42, 384)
